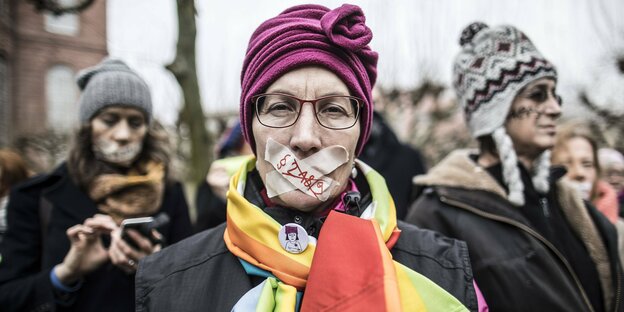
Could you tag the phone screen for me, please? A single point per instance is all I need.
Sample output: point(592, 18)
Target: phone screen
point(140, 225)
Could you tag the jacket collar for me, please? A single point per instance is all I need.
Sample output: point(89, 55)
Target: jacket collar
point(459, 178)
point(459, 171)
point(65, 195)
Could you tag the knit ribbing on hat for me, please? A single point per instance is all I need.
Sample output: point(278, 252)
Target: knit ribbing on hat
point(112, 82)
point(311, 35)
point(541, 174)
point(509, 160)
point(494, 64)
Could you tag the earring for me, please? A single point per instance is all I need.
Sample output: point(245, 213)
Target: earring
point(353, 172)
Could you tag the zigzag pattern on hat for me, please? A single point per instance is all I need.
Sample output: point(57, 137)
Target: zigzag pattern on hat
point(507, 76)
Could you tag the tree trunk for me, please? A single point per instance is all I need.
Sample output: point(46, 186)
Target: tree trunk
point(192, 115)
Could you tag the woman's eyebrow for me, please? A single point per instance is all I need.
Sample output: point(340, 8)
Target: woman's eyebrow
point(333, 93)
point(538, 87)
point(283, 91)
point(325, 94)
point(534, 88)
point(110, 114)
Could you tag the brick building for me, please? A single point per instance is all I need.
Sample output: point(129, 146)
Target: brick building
point(39, 55)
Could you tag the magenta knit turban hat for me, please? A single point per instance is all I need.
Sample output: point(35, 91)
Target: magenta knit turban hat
point(311, 35)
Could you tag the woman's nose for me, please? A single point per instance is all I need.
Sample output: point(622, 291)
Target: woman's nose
point(306, 138)
point(553, 107)
point(121, 132)
point(577, 172)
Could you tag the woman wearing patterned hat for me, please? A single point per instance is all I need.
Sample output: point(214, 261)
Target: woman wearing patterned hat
point(534, 244)
point(63, 249)
point(306, 111)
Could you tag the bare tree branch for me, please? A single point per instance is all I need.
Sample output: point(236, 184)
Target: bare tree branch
point(610, 118)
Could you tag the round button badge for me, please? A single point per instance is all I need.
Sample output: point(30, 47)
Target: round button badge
point(293, 238)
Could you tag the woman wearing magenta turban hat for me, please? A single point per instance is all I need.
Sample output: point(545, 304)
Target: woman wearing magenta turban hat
point(309, 227)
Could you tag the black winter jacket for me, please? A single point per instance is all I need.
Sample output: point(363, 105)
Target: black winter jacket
point(516, 268)
point(397, 162)
point(200, 273)
point(28, 256)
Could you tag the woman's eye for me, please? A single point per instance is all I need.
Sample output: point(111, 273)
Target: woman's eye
point(109, 120)
point(588, 164)
point(280, 107)
point(521, 112)
point(539, 96)
point(334, 109)
point(136, 123)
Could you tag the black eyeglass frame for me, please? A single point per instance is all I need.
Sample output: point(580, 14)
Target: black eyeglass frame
point(359, 101)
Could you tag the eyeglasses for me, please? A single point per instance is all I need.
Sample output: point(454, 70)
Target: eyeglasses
point(277, 110)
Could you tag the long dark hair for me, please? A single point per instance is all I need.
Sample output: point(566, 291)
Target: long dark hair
point(487, 144)
point(84, 167)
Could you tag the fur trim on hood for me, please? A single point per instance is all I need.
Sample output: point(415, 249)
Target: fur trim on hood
point(458, 170)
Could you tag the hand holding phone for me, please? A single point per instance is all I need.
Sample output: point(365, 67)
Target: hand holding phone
point(144, 226)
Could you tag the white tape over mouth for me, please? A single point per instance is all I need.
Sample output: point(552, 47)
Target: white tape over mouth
point(308, 175)
point(112, 152)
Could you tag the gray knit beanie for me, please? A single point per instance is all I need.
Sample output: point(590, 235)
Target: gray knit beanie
point(494, 64)
point(112, 82)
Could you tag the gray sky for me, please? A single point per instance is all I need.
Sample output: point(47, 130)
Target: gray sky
point(413, 37)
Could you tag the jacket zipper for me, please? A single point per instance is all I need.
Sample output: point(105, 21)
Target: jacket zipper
point(532, 233)
point(544, 204)
point(617, 292)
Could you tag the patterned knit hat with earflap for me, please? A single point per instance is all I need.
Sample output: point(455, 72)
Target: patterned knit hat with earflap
point(494, 64)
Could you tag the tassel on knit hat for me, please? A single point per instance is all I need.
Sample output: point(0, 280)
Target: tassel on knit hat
point(494, 64)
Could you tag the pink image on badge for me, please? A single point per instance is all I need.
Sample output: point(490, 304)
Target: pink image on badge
point(293, 238)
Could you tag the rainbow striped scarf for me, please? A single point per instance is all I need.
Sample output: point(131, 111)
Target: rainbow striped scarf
point(350, 268)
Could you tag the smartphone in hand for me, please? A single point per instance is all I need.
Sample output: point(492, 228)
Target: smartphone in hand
point(144, 226)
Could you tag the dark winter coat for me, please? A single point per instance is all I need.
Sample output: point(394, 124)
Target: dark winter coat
point(28, 256)
point(200, 273)
point(516, 268)
point(210, 208)
point(397, 162)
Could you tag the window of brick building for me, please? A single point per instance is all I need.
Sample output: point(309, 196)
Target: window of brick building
point(4, 11)
point(66, 24)
point(61, 98)
point(4, 101)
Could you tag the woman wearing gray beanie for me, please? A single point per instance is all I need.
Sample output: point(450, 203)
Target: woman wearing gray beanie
point(64, 248)
point(533, 242)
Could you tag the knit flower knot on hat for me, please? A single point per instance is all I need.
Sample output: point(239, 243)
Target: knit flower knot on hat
point(311, 35)
point(494, 64)
point(345, 28)
point(112, 82)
